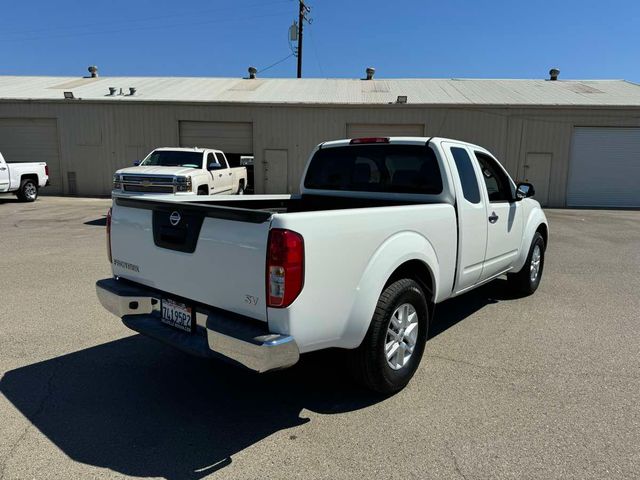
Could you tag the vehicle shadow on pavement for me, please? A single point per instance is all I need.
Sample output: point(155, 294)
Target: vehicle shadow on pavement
point(98, 222)
point(452, 311)
point(142, 409)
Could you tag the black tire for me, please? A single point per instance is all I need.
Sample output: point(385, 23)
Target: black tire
point(369, 364)
point(240, 189)
point(28, 191)
point(203, 191)
point(522, 281)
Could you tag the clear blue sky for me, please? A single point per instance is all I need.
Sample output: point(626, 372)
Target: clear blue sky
point(402, 38)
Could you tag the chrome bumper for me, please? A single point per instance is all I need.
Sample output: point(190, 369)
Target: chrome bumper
point(219, 334)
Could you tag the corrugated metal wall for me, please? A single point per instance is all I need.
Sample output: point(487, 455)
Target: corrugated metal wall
point(97, 138)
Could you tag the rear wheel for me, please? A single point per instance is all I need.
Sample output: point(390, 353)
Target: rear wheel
point(28, 191)
point(203, 190)
point(392, 349)
point(240, 189)
point(526, 281)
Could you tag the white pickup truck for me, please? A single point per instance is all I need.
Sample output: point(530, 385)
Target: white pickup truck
point(182, 171)
point(383, 229)
point(23, 178)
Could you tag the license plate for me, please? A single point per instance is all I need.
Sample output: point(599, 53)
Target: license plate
point(177, 315)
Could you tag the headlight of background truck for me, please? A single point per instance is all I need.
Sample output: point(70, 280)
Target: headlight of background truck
point(183, 184)
point(117, 181)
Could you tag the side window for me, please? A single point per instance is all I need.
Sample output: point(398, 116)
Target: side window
point(498, 185)
point(221, 160)
point(210, 159)
point(467, 174)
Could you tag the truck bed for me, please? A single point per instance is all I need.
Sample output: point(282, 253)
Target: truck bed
point(270, 204)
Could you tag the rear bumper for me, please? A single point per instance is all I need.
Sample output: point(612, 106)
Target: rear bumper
point(218, 334)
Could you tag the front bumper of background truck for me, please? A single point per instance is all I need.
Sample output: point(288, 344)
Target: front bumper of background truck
point(218, 333)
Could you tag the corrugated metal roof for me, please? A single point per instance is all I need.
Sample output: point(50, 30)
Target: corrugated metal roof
point(328, 91)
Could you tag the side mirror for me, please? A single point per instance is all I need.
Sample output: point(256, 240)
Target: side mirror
point(525, 190)
point(214, 166)
point(136, 163)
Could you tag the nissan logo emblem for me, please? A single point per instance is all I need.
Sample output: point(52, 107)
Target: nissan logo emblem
point(174, 218)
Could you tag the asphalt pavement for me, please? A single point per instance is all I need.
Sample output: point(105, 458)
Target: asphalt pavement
point(541, 387)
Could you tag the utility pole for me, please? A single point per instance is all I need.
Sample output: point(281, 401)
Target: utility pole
point(303, 10)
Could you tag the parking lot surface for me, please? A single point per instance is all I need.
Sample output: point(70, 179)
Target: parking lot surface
point(546, 386)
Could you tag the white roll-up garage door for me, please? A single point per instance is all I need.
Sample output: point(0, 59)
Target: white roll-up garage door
point(605, 167)
point(33, 140)
point(361, 130)
point(230, 137)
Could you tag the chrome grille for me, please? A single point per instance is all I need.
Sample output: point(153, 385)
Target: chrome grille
point(148, 183)
point(150, 188)
point(156, 180)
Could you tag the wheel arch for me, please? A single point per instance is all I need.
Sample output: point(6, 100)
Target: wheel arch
point(404, 255)
point(29, 176)
point(536, 222)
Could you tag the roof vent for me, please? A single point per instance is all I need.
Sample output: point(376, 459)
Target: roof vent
point(253, 71)
point(553, 74)
point(112, 91)
point(93, 71)
point(370, 73)
point(132, 91)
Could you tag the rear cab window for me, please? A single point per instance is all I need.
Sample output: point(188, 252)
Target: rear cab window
point(390, 168)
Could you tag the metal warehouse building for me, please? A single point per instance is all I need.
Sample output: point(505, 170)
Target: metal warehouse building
point(577, 141)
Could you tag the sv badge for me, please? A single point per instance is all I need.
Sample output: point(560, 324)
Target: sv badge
point(251, 300)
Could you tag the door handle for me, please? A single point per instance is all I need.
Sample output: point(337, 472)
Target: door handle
point(219, 174)
point(493, 218)
point(230, 173)
point(3, 168)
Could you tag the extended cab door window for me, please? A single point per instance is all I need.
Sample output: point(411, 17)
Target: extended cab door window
point(472, 217)
point(504, 217)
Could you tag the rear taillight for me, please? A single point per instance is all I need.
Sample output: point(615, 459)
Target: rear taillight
point(46, 170)
point(285, 267)
point(109, 235)
point(356, 141)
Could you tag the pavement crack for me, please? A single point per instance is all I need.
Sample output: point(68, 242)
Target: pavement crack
point(455, 463)
point(493, 368)
point(483, 367)
point(38, 411)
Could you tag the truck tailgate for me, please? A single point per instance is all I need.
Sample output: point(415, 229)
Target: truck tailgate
point(213, 255)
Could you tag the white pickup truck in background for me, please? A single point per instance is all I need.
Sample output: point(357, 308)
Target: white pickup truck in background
point(182, 171)
point(383, 229)
point(23, 179)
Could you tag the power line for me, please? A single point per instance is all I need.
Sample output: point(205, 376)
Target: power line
point(315, 52)
point(276, 63)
